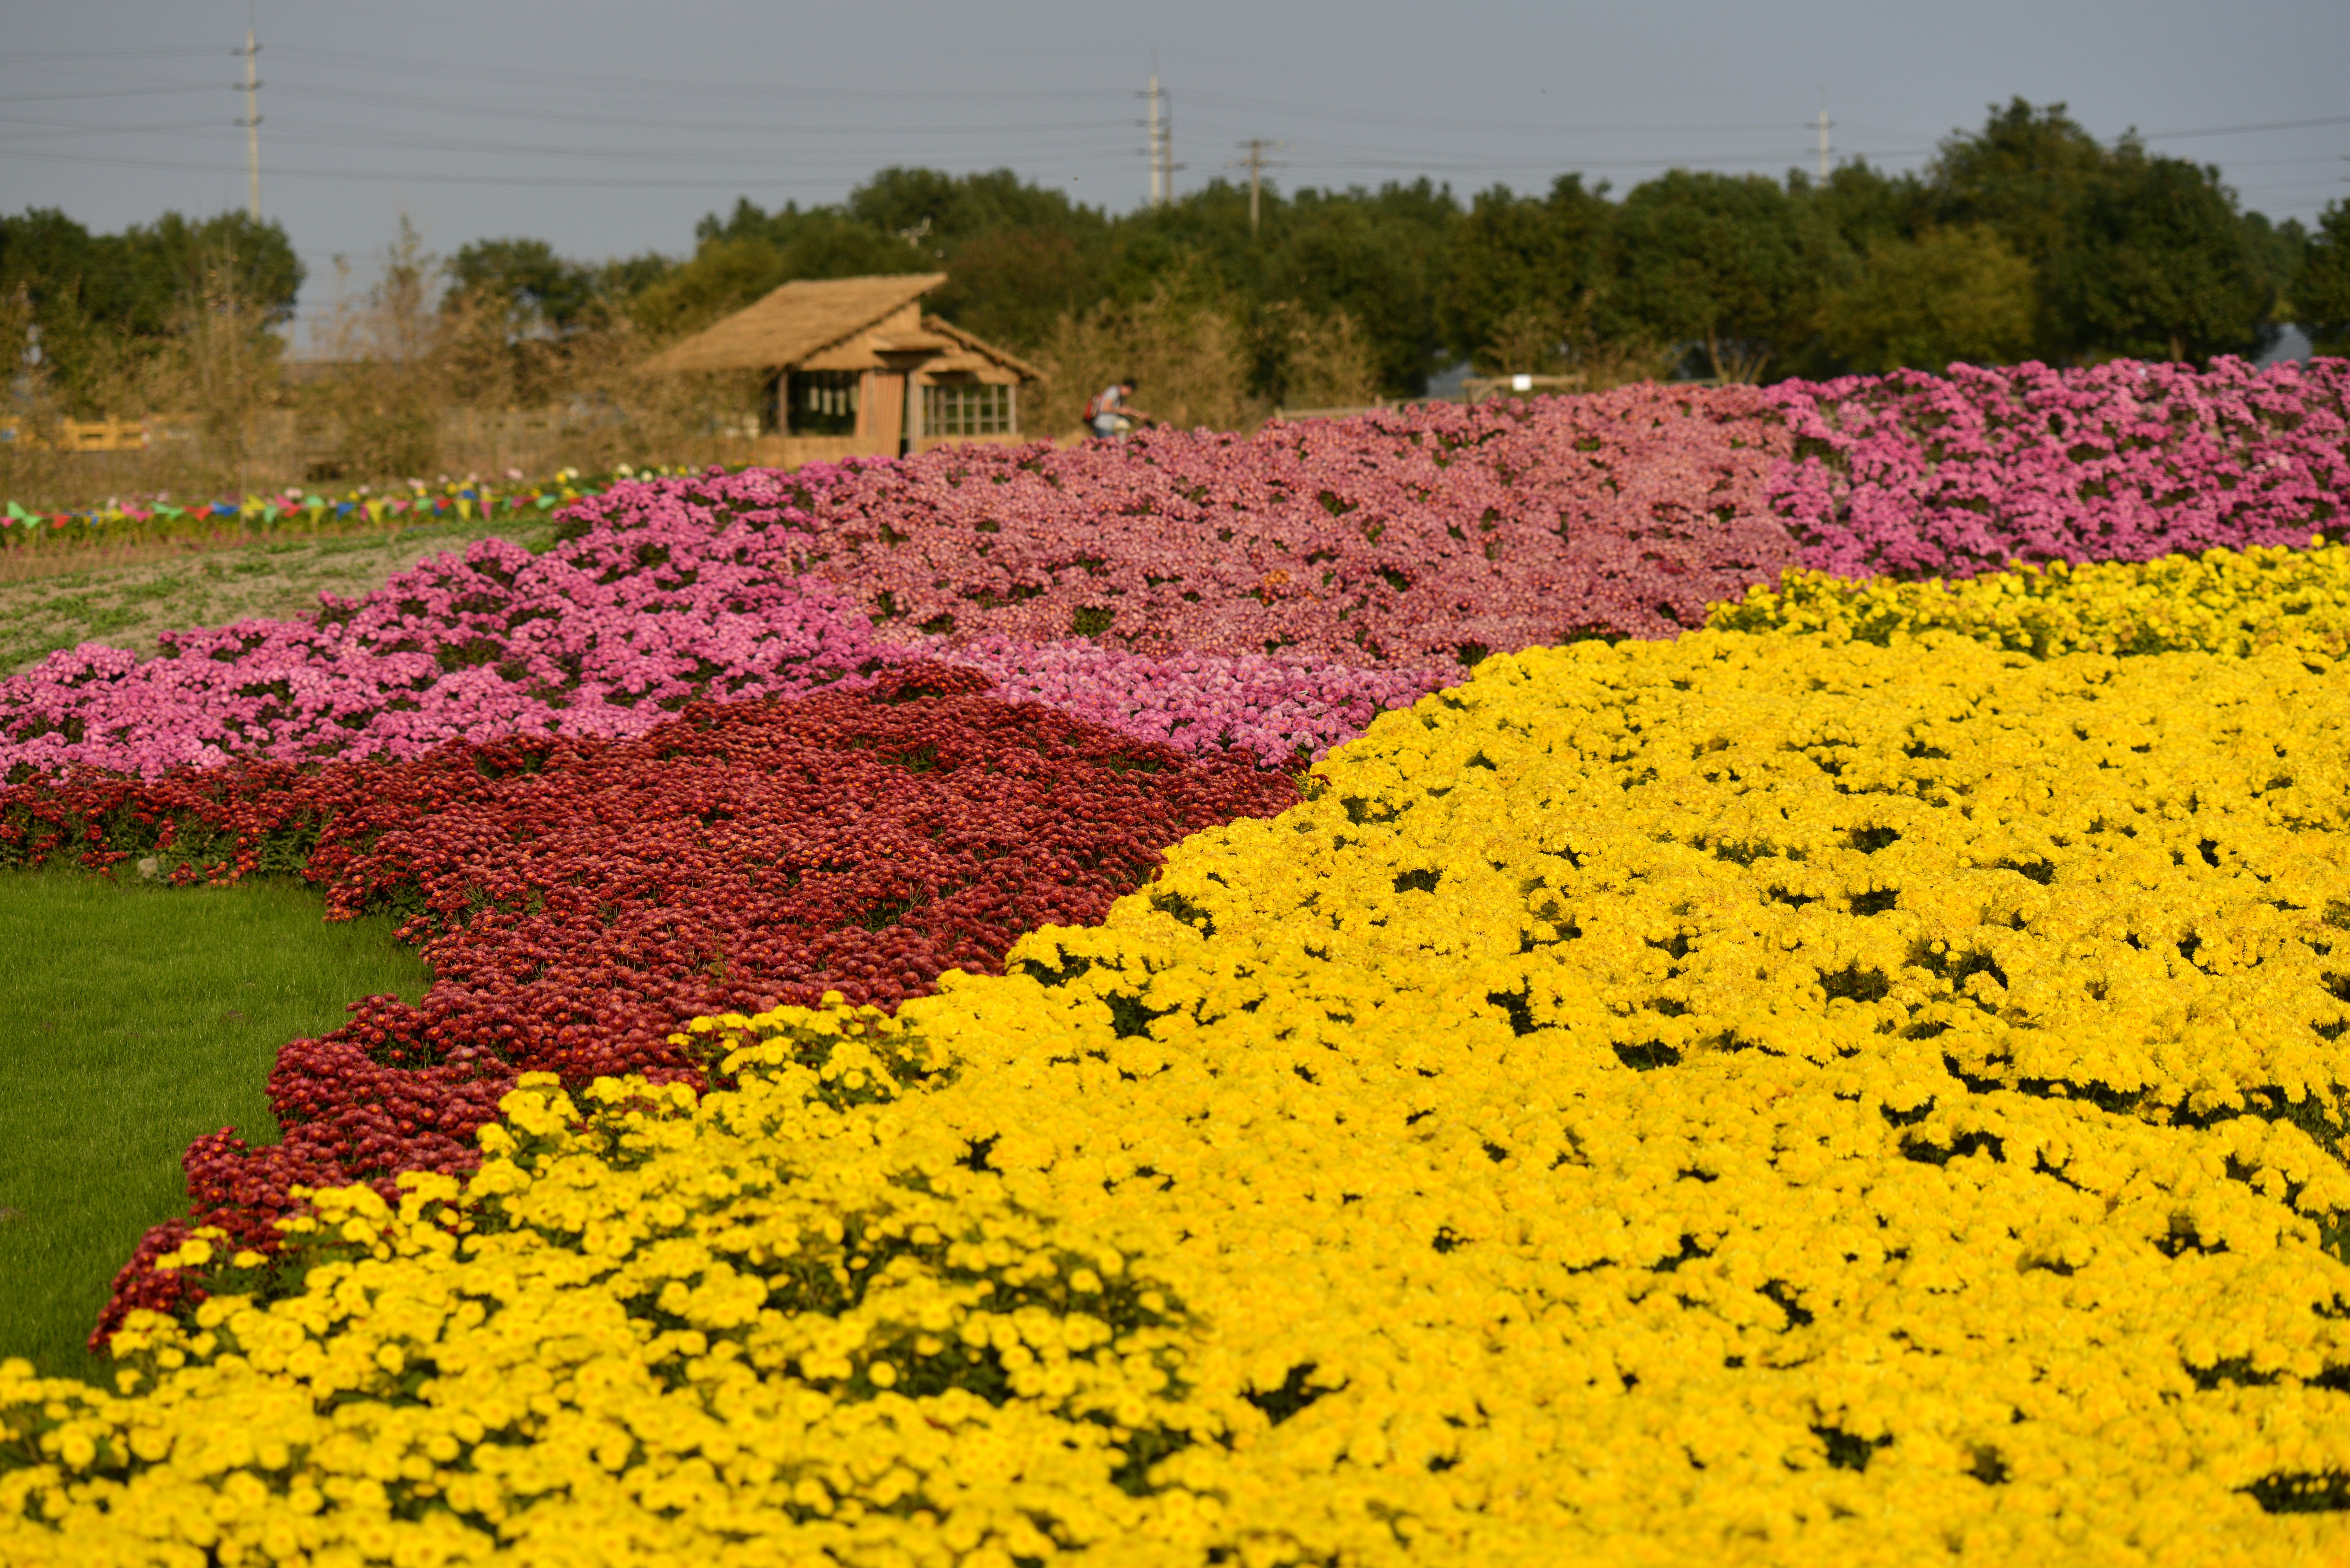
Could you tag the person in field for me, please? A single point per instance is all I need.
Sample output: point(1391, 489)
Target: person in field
point(1108, 414)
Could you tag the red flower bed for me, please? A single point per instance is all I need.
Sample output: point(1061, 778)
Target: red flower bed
point(578, 899)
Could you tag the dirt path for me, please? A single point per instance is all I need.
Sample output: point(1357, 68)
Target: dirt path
point(128, 605)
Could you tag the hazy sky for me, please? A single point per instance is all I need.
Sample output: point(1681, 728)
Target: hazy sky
point(608, 128)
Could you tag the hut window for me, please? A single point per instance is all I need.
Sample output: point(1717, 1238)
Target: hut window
point(822, 402)
point(966, 408)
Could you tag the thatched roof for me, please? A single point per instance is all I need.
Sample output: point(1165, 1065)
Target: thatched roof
point(795, 322)
point(973, 345)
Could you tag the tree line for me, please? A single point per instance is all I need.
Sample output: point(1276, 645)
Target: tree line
point(2025, 238)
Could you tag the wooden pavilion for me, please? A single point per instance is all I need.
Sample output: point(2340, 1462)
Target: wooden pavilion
point(854, 369)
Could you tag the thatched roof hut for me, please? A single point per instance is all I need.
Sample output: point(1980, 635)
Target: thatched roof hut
point(854, 367)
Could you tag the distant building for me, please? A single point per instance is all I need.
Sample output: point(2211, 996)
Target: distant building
point(854, 369)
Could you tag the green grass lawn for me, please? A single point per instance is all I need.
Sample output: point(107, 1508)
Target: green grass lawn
point(134, 1018)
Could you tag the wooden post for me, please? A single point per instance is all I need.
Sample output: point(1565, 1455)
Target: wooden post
point(881, 415)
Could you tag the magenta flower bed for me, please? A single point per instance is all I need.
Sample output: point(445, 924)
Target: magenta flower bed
point(1267, 595)
point(1406, 538)
point(604, 637)
point(1921, 475)
point(600, 636)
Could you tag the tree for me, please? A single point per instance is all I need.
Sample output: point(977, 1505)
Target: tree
point(2321, 291)
point(1865, 206)
point(724, 275)
point(1959, 294)
point(174, 260)
point(1731, 265)
point(2022, 175)
point(390, 409)
point(1371, 259)
point(1520, 260)
point(752, 253)
point(536, 288)
point(2158, 263)
point(1010, 285)
point(1017, 255)
point(103, 307)
point(942, 212)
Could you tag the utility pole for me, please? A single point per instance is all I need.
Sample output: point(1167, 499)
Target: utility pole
point(252, 120)
point(1823, 123)
point(1158, 181)
point(1255, 163)
point(1161, 124)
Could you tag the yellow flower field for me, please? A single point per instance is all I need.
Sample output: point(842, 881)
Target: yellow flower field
point(1768, 1097)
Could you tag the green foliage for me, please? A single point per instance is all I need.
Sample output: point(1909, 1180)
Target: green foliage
point(1515, 260)
point(2157, 264)
point(941, 213)
point(724, 276)
point(2023, 176)
point(2102, 250)
point(533, 287)
point(1950, 295)
point(1011, 284)
point(752, 252)
point(1021, 260)
point(2134, 254)
point(96, 300)
point(1017, 257)
point(2094, 250)
point(1374, 259)
point(1866, 206)
point(822, 242)
point(1732, 265)
point(2321, 290)
point(137, 280)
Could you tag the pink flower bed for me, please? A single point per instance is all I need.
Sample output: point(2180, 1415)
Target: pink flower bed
point(1404, 540)
point(1920, 476)
point(601, 636)
point(1269, 593)
point(604, 637)
point(1409, 537)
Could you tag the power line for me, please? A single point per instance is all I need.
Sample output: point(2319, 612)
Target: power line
point(1100, 164)
point(1342, 155)
point(698, 89)
point(722, 127)
point(102, 92)
point(311, 135)
point(2240, 129)
point(57, 128)
point(190, 51)
point(1428, 122)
